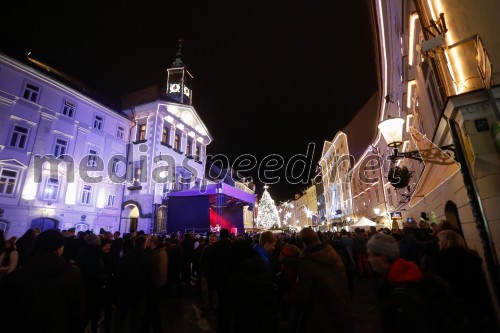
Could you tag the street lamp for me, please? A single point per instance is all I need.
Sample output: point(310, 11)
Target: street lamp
point(392, 131)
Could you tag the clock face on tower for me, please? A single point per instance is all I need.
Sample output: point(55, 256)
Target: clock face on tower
point(174, 87)
point(186, 91)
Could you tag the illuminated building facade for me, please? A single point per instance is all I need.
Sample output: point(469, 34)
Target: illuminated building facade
point(110, 167)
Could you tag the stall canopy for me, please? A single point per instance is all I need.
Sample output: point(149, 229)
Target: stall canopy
point(363, 222)
point(439, 166)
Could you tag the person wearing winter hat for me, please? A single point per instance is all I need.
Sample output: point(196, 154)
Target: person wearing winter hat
point(48, 288)
point(49, 241)
point(402, 305)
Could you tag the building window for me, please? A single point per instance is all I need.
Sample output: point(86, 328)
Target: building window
point(141, 134)
point(111, 199)
point(51, 189)
point(86, 194)
point(19, 137)
point(197, 152)
point(189, 146)
point(98, 120)
point(164, 136)
point(115, 165)
point(177, 141)
point(91, 158)
point(8, 181)
point(60, 148)
point(119, 132)
point(68, 109)
point(31, 92)
point(376, 194)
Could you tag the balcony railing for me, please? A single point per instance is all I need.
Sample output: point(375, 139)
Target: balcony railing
point(465, 66)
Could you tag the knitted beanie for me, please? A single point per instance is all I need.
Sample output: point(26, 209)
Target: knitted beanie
point(383, 244)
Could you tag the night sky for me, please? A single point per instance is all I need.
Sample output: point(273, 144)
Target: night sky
point(270, 76)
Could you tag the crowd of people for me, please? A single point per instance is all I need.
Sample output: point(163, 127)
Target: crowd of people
point(59, 281)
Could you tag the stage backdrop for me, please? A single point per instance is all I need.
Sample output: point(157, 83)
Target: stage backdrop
point(188, 213)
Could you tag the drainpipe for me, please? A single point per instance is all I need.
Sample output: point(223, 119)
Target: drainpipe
point(127, 153)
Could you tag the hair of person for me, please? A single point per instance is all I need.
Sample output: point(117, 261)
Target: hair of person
point(154, 240)
point(445, 225)
point(224, 233)
point(93, 240)
point(308, 236)
point(266, 237)
point(140, 242)
point(451, 238)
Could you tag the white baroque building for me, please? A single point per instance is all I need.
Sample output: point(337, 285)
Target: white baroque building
point(104, 167)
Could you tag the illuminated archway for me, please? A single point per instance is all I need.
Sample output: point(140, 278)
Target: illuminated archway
point(132, 214)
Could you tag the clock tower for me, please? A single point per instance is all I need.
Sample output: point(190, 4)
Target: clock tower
point(179, 80)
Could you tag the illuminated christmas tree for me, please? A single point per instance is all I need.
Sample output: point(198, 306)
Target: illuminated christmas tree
point(268, 215)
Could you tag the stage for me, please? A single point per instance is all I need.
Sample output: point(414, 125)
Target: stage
point(208, 209)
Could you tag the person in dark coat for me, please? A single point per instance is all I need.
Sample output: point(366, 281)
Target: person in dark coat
point(289, 259)
point(110, 264)
point(89, 260)
point(252, 294)
point(117, 246)
point(175, 259)
point(46, 294)
point(220, 260)
point(323, 292)
point(25, 246)
point(208, 286)
point(187, 246)
point(462, 269)
point(135, 278)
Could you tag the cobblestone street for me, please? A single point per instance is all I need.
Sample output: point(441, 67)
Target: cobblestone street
point(185, 314)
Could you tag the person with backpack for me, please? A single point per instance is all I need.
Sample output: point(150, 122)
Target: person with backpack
point(411, 301)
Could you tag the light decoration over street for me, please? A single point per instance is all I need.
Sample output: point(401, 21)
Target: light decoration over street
point(268, 215)
point(288, 215)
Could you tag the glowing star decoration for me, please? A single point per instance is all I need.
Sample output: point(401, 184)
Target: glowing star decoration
point(268, 215)
point(288, 215)
point(308, 212)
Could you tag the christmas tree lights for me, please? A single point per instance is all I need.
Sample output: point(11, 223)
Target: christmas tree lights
point(268, 215)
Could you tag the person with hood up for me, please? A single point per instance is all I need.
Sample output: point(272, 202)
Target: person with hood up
point(323, 293)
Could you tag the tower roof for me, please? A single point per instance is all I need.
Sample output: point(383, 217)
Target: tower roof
point(178, 57)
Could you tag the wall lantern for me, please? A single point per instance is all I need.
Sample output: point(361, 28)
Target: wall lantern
point(392, 131)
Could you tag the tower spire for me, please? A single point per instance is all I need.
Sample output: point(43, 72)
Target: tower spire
point(179, 79)
point(178, 57)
